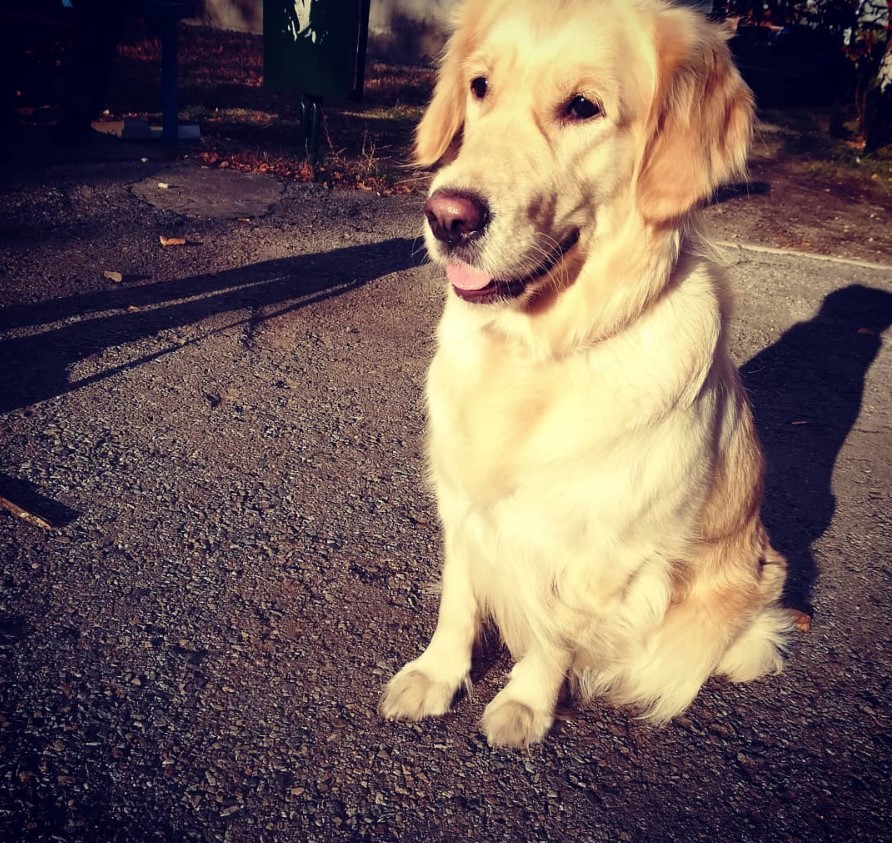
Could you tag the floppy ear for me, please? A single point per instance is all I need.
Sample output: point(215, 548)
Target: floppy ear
point(701, 120)
point(441, 127)
point(445, 115)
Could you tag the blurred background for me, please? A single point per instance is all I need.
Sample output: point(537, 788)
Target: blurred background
point(821, 70)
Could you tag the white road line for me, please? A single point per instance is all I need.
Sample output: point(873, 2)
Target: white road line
point(771, 250)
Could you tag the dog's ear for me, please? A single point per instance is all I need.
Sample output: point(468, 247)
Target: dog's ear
point(701, 120)
point(444, 118)
point(441, 127)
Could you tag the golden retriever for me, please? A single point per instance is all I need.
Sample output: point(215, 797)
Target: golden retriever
point(594, 457)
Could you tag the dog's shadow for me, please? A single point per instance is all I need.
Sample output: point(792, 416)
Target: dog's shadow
point(806, 391)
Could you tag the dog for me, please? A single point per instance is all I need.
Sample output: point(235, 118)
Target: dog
point(596, 467)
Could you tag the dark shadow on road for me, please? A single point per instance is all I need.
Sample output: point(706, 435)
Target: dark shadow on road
point(741, 189)
point(806, 392)
point(36, 367)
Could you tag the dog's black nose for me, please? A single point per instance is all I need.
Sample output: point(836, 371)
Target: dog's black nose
point(456, 217)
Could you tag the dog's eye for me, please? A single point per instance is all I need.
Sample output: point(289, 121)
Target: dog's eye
point(581, 108)
point(479, 85)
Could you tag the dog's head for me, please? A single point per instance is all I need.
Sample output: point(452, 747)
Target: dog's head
point(554, 124)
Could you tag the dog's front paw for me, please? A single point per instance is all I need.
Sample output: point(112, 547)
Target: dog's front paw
point(413, 694)
point(512, 723)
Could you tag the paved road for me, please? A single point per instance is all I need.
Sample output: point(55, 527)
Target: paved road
point(228, 442)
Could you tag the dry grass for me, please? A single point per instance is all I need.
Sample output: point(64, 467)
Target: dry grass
point(247, 126)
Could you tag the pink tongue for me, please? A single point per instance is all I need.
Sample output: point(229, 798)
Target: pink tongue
point(466, 277)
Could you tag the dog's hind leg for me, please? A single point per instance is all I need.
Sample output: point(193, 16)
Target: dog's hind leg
point(427, 686)
point(727, 623)
point(758, 649)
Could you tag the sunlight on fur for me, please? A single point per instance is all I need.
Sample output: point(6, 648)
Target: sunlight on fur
point(596, 467)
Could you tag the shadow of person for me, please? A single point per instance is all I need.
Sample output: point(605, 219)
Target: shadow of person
point(37, 366)
point(806, 392)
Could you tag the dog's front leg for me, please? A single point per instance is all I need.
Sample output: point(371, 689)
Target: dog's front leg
point(523, 711)
point(426, 686)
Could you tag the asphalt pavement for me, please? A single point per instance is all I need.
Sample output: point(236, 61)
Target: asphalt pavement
point(224, 436)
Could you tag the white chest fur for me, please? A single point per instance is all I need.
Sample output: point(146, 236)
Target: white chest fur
point(559, 479)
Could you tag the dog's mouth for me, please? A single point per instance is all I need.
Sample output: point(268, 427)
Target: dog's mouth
point(476, 286)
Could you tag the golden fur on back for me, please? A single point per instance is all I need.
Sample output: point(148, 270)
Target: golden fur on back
point(596, 467)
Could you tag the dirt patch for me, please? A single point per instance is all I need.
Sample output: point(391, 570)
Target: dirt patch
point(199, 193)
point(810, 193)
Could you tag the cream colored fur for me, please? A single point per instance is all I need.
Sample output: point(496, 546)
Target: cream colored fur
point(594, 458)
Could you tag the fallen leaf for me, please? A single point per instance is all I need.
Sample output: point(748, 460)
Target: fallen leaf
point(801, 620)
point(163, 185)
point(113, 276)
point(172, 241)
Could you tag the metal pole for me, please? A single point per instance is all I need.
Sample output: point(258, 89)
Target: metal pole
point(169, 93)
point(310, 124)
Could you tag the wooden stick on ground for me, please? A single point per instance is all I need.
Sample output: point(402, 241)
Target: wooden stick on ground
point(15, 509)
